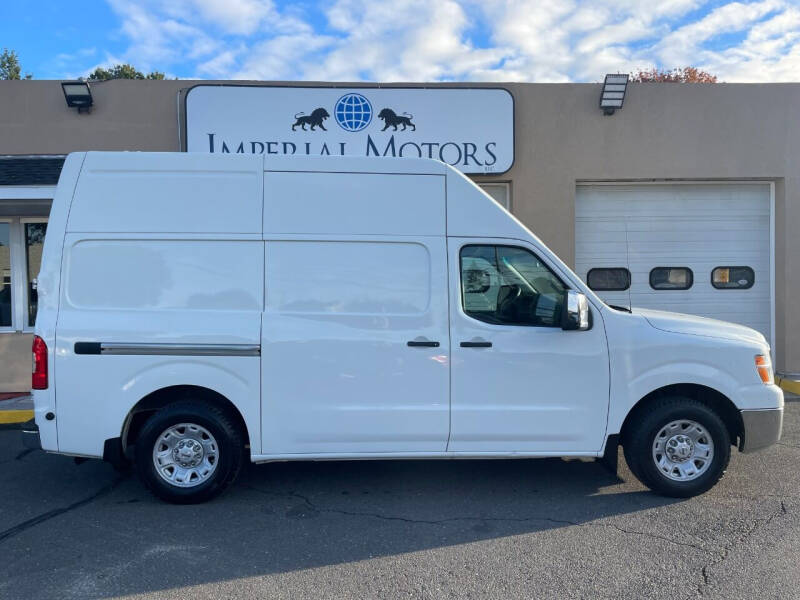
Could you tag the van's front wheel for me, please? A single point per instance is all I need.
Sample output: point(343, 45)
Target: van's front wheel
point(679, 447)
point(189, 452)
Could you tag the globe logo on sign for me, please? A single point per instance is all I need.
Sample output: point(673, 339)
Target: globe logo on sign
point(353, 112)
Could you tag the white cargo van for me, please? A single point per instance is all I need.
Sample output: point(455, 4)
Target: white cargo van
point(198, 310)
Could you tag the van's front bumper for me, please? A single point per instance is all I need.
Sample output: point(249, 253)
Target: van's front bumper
point(762, 428)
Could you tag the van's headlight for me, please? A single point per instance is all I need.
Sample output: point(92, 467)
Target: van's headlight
point(764, 368)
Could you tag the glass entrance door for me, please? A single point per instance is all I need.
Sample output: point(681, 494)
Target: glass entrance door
point(6, 315)
point(21, 243)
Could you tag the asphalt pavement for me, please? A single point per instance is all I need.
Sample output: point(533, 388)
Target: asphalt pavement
point(402, 529)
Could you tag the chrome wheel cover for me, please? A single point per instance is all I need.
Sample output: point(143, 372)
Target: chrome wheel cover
point(185, 455)
point(683, 450)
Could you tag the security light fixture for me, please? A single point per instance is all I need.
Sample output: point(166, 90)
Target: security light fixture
point(613, 93)
point(77, 94)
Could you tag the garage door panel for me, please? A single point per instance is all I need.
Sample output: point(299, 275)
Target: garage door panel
point(598, 248)
point(693, 248)
point(655, 235)
point(699, 226)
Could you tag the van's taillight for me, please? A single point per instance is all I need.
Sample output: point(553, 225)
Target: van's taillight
point(39, 376)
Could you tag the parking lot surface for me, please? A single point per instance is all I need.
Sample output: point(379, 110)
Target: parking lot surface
point(405, 529)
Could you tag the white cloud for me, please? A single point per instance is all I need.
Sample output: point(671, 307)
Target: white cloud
point(682, 46)
point(434, 40)
point(770, 52)
point(401, 41)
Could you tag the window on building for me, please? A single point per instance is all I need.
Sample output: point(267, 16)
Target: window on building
point(733, 278)
point(671, 278)
point(609, 279)
point(506, 285)
point(5, 271)
point(501, 192)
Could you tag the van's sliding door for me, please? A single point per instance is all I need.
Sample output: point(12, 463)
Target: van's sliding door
point(355, 346)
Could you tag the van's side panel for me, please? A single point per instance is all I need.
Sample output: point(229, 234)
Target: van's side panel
point(138, 294)
point(154, 192)
point(353, 203)
point(161, 249)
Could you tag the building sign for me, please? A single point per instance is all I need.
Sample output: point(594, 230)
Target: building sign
point(469, 128)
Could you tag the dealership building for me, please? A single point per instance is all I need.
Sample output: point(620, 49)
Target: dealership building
point(686, 198)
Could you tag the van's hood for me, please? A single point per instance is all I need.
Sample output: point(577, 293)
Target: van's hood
point(692, 325)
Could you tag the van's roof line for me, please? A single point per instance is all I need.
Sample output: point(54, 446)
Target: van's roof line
point(343, 164)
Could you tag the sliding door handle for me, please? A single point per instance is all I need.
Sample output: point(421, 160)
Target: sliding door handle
point(422, 344)
point(476, 344)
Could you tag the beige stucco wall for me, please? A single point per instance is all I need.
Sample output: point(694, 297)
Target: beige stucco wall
point(15, 362)
point(664, 131)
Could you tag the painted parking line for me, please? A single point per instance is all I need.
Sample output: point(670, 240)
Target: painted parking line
point(788, 385)
point(15, 416)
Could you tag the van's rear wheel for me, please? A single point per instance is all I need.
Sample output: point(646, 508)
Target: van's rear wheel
point(189, 452)
point(679, 447)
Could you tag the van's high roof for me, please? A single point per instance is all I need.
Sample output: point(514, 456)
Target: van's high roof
point(254, 194)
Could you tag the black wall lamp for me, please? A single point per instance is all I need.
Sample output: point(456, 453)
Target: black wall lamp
point(78, 95)
point(613, 94)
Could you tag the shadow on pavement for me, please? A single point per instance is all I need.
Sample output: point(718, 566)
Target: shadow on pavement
point(97, 533)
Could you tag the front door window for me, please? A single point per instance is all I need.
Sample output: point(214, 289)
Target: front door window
point(507, 285)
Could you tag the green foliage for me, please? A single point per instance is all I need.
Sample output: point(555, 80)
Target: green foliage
point(125, 71)
point(10, 67)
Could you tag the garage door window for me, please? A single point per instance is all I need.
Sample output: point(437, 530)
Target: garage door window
point(614, 279)
point(733, 278)
point(671, 278)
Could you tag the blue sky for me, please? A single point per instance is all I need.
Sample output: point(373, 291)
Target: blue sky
point(406, 40)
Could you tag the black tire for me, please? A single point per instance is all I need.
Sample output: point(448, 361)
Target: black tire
point(229, 442)
point(638, 445)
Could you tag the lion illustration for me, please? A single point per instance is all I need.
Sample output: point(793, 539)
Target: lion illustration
point(314, 119)
point(391, 119)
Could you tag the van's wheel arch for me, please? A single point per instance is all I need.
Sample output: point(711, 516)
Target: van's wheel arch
point(677, 446)
point(189, 451)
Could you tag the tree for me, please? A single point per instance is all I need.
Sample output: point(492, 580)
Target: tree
point(125, 71)
point(682, 75)
point(10, 67)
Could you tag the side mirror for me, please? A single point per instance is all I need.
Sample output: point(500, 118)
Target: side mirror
point(576, 312)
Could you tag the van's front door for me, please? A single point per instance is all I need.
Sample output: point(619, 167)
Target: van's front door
point(355, 346)
point(519, 382)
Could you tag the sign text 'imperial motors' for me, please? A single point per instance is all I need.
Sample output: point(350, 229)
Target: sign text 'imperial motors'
point(469, 128)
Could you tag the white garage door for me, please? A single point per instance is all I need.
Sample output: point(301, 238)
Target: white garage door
point(702, 249)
